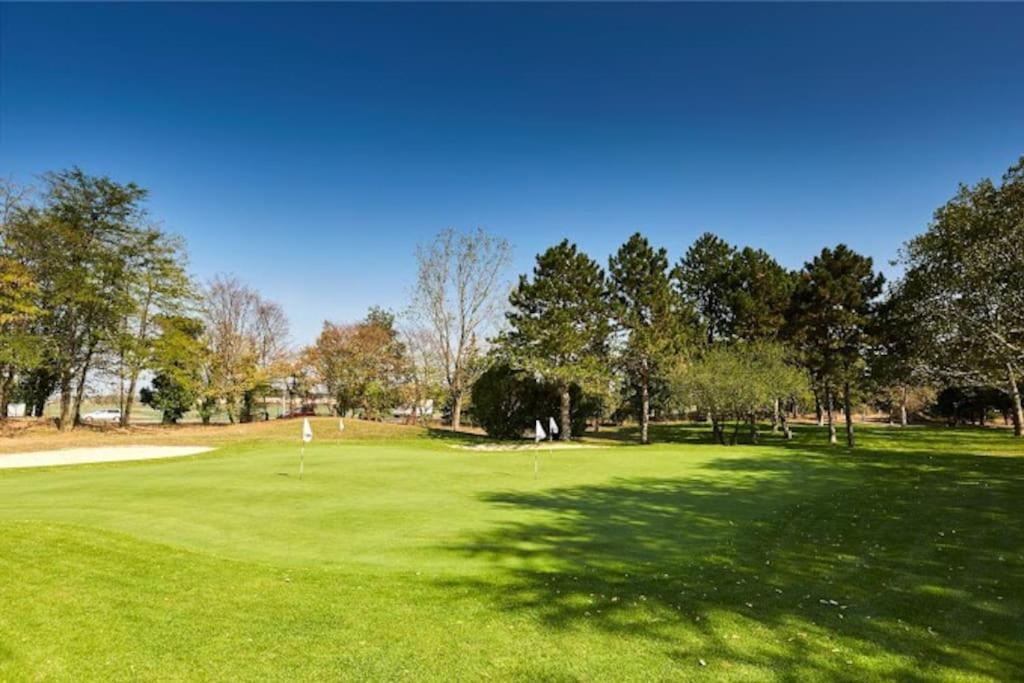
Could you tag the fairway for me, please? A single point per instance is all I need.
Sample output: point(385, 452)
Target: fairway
point(406, 558)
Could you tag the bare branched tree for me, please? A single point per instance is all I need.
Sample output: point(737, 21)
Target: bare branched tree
point(460, 291)
point(246, 336)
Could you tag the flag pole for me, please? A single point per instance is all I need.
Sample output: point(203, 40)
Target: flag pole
point(538, 436)
point(307, 436)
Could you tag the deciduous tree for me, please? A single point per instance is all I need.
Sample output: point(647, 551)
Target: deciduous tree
point(967, 274)
point(79, 243)
point(458, 295)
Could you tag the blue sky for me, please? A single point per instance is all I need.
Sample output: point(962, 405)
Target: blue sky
point(308, 148)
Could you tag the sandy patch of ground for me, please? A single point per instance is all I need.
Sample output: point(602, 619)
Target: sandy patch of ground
point(78, 456)
point(543, 446)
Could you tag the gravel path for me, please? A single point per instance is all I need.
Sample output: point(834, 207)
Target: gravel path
point(78, 456)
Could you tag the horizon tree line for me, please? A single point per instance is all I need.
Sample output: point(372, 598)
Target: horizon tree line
point(90, 284)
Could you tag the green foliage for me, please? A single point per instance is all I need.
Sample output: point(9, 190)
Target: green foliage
point(83, 243)
point(506, 402)
point(831, 312)
point(704, 277)
point(158, 285)
point(650, 317)
point(830, 322)
point(971, 404)
point(559, 319)
point(178, 359)
point(740, 382)
point(738, 294)
point(965, 276)
point(559, 323)
point(760, 295)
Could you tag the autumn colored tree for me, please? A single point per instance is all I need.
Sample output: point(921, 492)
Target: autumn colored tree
point(363, 365)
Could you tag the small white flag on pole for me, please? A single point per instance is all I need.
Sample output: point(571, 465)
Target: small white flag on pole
point(341, 424)
point(539, 434)
point(552, 427)
point(307, 436)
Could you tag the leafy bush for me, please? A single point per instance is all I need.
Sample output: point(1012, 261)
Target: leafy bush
point(506, 402)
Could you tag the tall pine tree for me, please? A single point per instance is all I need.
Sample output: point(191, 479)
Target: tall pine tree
point(647, 314)
point(559, 323)
point(831, 313)
point(704, 277)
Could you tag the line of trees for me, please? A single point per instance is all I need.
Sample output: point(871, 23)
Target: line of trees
point(734, 335)
point(93, 290)
point(91, 286)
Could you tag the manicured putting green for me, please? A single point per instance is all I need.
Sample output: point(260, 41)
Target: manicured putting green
point(410, 559)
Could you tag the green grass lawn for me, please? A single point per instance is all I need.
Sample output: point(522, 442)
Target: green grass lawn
point(410, 559)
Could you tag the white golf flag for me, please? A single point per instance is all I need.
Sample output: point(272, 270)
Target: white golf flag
point(552, 426)
point(341, 424)
point(539, 434)
point(307, 431)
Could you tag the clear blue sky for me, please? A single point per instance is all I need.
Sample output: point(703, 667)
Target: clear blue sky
point(308, 148)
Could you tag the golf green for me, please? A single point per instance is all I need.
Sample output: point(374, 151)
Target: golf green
point(413, 559)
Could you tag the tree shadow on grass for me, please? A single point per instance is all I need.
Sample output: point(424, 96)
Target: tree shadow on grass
point(907, 565)
point(447, 435)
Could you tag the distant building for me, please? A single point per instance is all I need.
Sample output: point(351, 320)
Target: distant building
point(426, 409)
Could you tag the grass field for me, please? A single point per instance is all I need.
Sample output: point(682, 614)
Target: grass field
point(399, 557)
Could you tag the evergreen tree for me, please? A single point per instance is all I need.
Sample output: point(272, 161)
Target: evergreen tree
point(759, 295)
point(831, 313)
point(559, 324)
point(704, 277)
point(647, 313)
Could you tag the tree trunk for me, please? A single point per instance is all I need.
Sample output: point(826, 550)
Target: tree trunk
point(753, 429)
point(817, 410)
point(645, 409)
point(5, 392)
point(829, 415)
point(786, 431)
point(457, 411)
point(775, 417)
point(848, 414)
point(38, 400)
point(566, 426)
point(1017, 413)
point(903, 407)
point(129, 399)
point(80, 389)
point(65, 401)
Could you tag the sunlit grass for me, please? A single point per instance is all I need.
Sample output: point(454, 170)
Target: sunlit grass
point(399, 557)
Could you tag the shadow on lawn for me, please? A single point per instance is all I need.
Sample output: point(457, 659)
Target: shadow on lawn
point(922, 556)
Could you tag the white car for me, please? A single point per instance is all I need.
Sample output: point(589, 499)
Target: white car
point(108, 415)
